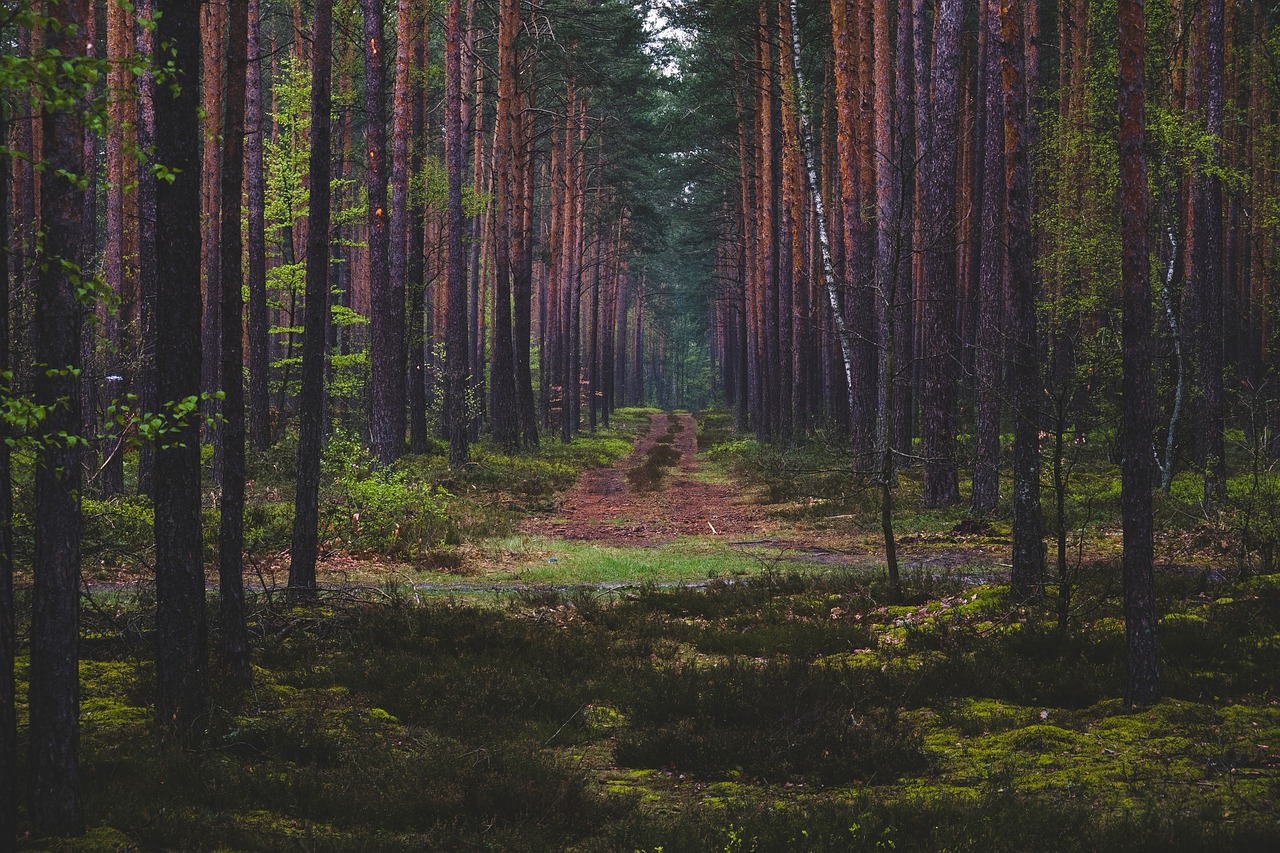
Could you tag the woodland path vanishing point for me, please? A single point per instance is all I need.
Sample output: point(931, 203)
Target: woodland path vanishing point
point(603, 507)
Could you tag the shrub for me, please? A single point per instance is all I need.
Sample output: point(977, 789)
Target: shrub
point(386, 512)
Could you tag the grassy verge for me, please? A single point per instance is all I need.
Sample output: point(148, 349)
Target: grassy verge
point(785, 712)
point(413, 515)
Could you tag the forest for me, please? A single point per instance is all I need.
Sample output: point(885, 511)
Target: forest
point(639, 425)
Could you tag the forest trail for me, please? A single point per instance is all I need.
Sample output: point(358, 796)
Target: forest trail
point(604, 507)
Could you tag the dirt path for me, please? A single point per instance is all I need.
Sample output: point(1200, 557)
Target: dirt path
point(603, 506)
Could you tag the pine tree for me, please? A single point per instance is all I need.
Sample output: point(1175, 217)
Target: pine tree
point(456, 350)
point(181, 650)
point(1142, 675)
point(302, 565)
point(54, 696)
point(235, 640)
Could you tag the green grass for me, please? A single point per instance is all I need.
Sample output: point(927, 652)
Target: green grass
point(553, 562)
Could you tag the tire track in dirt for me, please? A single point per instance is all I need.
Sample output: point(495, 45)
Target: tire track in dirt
point(603, 507)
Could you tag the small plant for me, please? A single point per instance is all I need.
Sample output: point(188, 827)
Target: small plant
point(386, 512)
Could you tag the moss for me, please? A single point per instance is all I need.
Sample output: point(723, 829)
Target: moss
point(604, 718)
point(451, 726)
point(98, 839)
point(982, 716)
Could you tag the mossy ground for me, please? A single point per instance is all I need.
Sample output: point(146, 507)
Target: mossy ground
point(781, 712)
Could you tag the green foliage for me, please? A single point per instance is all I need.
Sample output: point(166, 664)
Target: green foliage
point(116, 532)
point(370, 509)
point(818, 468)
point(714, 429)
point(429, 187)
point(287, 198)
point(386, 513)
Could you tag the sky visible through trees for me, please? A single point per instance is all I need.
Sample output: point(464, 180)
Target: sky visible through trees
point(965, 242)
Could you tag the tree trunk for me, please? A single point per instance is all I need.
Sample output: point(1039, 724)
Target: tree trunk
point(991, 295)
point(747, 389)
point(456, 355)
point(235, 640)
point(181, 652)
point(811, 172)
point(1024, 375)
point(637, 349)
point(767, 235)
point(1207, 268)
point(849, 64)
point(259, 360)
point(416, 284)
point(100, 322)
point(386, 292)
point(505, 414)
point(212, 28)
point(791, 227)
point(938, 174)
point(522, 282)
point(1142, 673)
point(120, 234)
point(8, 628)
point(148, 282)
point(302, 565)
point(888, 235)
point(620, 361)
point(54, 697)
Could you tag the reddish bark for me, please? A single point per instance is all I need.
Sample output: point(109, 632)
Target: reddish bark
point(941, 486)
point(1142, 673)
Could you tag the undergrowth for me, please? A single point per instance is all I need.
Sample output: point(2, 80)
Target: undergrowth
point(413, 511)
point(783, 712)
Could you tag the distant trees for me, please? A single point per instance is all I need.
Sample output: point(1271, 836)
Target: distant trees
point(944, 137)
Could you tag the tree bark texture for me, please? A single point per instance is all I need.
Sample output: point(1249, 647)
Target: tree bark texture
point(991, 291)
point(302, 565)
point(181, 641)
point(259, 323)
point(9, 794)
point(54, 697)
point(231, 434)
point(148, 280)
point(938, 176)
point(1024, 380)
point(1142, 684)
point(456, 355)
point(504, 416)
point(386, 321)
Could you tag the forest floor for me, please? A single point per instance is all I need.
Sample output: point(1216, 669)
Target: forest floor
point(706, 521)
point(690, 501)
point(669, 654)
